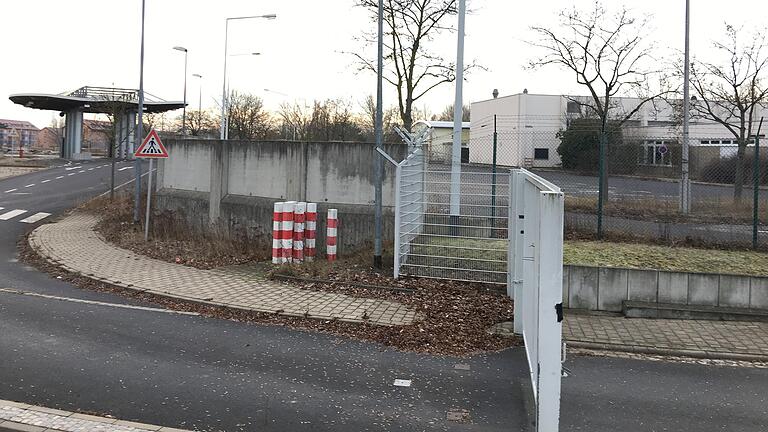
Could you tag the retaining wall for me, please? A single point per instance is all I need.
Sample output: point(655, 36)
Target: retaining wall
point(233, 184)
point(604, 288)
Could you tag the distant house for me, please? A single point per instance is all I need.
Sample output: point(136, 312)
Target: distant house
point(17, 132)
point(96, 136)
point(527, 126)
point(440, 139)
point(49, 139)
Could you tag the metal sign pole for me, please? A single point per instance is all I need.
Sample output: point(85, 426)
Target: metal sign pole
point(149, 201)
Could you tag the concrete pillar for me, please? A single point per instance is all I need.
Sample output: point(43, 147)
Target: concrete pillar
point(130, 146)
point(219, 179)
point(73, 134)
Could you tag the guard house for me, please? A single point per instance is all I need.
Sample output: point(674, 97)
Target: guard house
point(123, 104)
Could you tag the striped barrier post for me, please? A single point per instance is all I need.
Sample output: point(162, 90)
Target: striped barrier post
point(287, 224)
point(277, 233)
point(310, 232)
point(330, 241)
point(298, 232)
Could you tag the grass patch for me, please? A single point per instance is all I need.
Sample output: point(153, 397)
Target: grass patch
point(593, 253)
point(683, 259)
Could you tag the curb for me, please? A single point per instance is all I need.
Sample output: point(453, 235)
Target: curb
point(672, 352)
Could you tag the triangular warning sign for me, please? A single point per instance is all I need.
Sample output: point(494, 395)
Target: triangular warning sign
point(151, 147)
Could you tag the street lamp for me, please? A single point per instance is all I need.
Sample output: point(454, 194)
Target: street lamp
point(224, 83)
point(199, 101)
point(184, 112)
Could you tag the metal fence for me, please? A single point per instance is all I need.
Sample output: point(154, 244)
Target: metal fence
point(641, 172)
point(464, 240)
point(535, 280)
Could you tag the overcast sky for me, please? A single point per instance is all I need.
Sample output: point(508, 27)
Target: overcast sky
point(53, 46)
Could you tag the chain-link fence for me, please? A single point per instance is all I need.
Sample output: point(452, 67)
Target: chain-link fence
point(635, 191)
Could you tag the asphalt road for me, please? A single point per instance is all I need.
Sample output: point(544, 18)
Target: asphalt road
point(188, 371)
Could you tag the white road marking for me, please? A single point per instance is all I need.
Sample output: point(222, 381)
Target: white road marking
point(71, 174)
point(72, 168)
point(10, 190)
point(402, 383)
point(97, 303)
point(35, 217)
point(127, 183)
point(80, 172)
point(59, 177)
point(45, 181)
point(90, 169)
point(128, 167)
point(12, 214)
point(29, 185)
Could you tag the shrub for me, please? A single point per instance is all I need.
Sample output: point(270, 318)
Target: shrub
point(724, 170)
point(579, 148)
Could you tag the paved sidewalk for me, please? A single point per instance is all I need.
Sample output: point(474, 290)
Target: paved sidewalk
point(708, 339)
point(21, 417)
point(73, 244)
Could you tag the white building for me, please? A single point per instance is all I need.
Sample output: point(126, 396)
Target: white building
point(527, 127)
point(440, 139)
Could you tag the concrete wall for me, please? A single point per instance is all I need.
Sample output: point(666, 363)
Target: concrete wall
point(604, 289)
point(233, 185)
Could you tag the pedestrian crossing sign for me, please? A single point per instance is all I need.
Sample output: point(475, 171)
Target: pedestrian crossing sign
point(151, 147)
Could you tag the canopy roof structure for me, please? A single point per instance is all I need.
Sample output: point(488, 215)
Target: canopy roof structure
point(101, 100)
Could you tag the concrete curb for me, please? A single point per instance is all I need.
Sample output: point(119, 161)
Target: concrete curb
point(670, 352)
point(21, 417)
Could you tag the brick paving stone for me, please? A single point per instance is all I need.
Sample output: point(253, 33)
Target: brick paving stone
point(71, 243)
point(738, 337)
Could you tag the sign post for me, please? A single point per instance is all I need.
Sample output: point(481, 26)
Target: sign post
point(151, 148)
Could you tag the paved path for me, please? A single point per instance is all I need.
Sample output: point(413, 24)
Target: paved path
point(72, 244)
point(708, 338)
point(29, 418)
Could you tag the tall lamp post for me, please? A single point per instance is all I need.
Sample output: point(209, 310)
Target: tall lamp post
point(199, 101)
point(223, 128)
point(184, 112)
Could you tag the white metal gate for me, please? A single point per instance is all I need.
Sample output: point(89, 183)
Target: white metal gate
point(535, 280)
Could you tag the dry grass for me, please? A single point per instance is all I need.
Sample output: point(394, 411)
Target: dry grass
point(705, 211)
point(170, 239)
point(684, 259)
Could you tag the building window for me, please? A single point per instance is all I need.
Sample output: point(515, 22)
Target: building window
point(541, 154)
point(573, 108)
point(656, 152)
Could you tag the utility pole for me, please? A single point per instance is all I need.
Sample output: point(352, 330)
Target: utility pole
point(139, 128)
point(378, 162)
point(457, 115)
point(685, 182)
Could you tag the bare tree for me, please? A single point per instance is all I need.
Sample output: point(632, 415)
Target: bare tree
point(368, 121)
point(296, 119)
point(731, 92)
point(248, 119)
point(409, 65)
point(610, 56)
point(201, 123)
point(447, 114)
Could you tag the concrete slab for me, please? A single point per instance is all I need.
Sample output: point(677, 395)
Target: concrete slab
point(643, 285)
point(734, 291)
point(703, 289)
point(673, 287)
point(613, 288)
point(758, 295)
point(566, 284)
point(582, 288)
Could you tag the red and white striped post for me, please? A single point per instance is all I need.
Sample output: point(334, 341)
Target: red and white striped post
point(310, 232)
point(277, 233)
point(298, 232)
point(330, 240)
point(287, 225)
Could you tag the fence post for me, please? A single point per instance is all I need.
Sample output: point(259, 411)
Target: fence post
point(601, 182)
point(398, 173)
point(756, 187)
point(493, 181)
